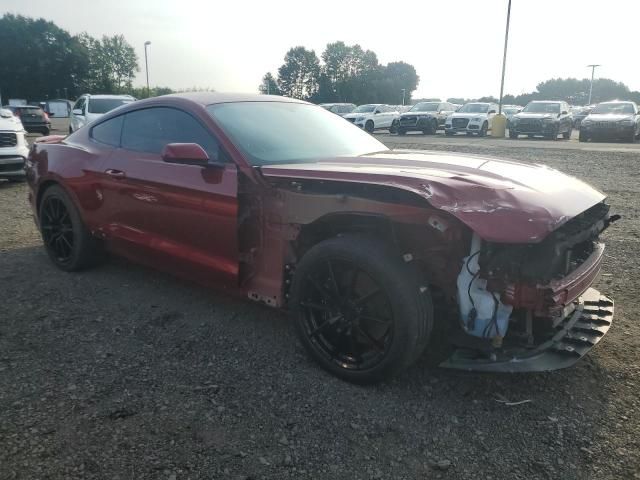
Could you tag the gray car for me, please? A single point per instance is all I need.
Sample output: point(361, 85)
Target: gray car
point(612, 120)
point(545, 118)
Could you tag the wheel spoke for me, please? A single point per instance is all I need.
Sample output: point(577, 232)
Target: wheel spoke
point(325, 324)
point(384, 321)
point(326, 294)
point(365, 298)
point(372, 340)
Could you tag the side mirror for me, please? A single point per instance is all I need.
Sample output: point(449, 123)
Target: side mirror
point(77, 111)
point(376, 112)
point(564, 112)
point(491, 111)
point(185, 154)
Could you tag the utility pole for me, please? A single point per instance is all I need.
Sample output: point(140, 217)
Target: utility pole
point(593, 71)
point(146, 65)
point(504, 57)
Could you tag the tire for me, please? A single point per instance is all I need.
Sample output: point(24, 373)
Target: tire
point(434, 127)
point(369, 126)
point(45, 132)
point(483, 130)
point(339, 313)
point(401, 131)
point(70, 130)
point(393, 128)
point(632, 138)
point(567, 135)
point(513, 135)
point(67, 240)
point(449, 134)
point(582, 137)
point(553, 135)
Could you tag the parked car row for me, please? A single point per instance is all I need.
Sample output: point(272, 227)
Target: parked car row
point(611, 120)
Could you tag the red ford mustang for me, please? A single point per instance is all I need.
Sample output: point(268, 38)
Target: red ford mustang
point(287, 204)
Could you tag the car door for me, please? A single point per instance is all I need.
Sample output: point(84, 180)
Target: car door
point(182, 218)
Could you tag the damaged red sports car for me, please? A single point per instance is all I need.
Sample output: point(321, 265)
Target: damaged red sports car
point(376, 253)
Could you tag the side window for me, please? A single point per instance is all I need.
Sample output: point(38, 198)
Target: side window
point(108, 132)
point(80, 104)
point(151, 129)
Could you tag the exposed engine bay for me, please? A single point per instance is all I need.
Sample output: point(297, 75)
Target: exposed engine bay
point(516, 298)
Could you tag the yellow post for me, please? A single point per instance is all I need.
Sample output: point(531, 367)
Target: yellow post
point(499, 126)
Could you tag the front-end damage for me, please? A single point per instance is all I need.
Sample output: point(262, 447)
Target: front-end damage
point(530, 307)
point(526, 236)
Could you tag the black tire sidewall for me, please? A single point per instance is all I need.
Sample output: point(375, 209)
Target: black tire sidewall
point(411, 305)
point(369, 126)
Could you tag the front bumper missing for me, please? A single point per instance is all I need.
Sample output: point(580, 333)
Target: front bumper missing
point(573, 337)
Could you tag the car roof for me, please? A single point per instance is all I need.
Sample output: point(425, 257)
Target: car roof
point(106, 96)
point(546, 101)
point(208, 98)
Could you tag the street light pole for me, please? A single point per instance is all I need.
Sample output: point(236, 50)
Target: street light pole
point(504, 57)
point(404, 90)
point(146, 65)
point(593, 70)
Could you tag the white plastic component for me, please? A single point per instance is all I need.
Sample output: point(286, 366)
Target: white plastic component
point(473, 295)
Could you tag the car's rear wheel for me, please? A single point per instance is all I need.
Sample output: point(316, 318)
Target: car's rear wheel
point(67, 240)
point(360, 311)
point(369, 126)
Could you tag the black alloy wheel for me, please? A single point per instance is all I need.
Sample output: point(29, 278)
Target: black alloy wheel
point(57, 229)
point(359, 311)
point(483, 130)
point(67, 240)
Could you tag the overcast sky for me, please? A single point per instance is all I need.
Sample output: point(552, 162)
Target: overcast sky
point(455, 46)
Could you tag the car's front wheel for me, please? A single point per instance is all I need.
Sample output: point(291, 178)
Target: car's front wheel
point(369, 127)
point(513, 135)
point(360, 311)
point(483, 130)
point(567, 135)
point(66, 239)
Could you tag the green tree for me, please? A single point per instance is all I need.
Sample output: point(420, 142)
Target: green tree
point(39, 60)
point(113, 64)
point(269, 85)
point(298, 76)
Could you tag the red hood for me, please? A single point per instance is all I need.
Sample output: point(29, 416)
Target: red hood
point(502, 201)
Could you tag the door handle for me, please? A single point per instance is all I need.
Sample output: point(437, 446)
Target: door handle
point(115, 173)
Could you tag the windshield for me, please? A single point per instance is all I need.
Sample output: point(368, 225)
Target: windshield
point(312, 133)
point(618, 108)
point(365, 109)
point(542, 108)
point(104, 105)
point(474, 108)
point(509, 111)
point(425, 107)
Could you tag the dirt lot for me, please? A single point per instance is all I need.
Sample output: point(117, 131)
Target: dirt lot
point(122, 372)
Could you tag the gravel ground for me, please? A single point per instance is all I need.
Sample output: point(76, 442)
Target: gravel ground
point(125, 373)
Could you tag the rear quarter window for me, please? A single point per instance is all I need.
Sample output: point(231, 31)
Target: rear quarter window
point(108, 132)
